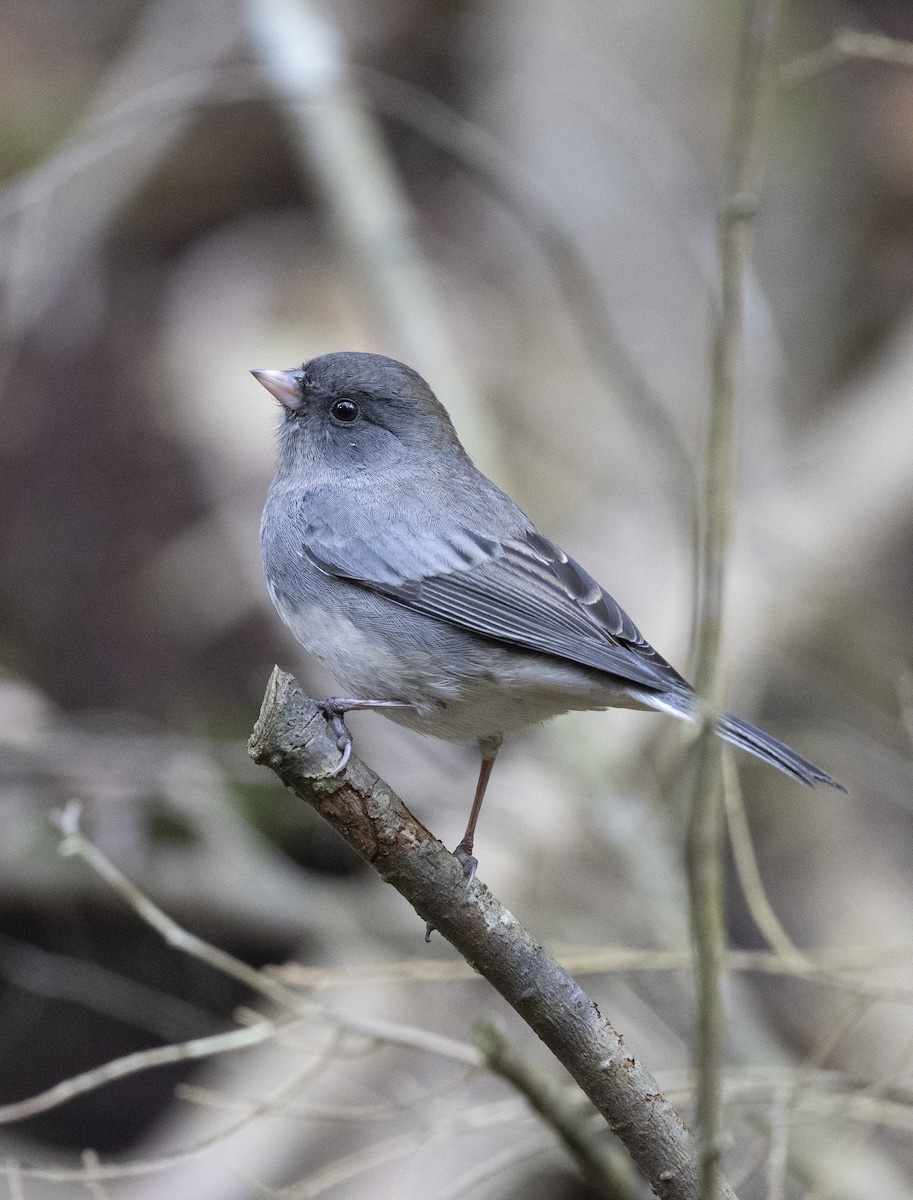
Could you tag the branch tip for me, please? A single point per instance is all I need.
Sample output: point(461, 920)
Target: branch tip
point(66, 820)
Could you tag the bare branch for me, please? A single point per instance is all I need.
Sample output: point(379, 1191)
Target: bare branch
point(132, 1064)
point(341, 148)
point(746, 865)
point(847, 45)
point(292, 738)
point(261, 982)
point(847, 967)
point(569, 1115)
point(752, 89)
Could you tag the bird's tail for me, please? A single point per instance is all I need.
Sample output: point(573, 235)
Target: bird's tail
point(748, 737)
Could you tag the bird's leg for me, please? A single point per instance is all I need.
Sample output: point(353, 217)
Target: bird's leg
point(335, 709)
point(489, 748)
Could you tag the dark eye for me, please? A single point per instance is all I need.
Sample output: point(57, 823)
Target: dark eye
point(345, 411)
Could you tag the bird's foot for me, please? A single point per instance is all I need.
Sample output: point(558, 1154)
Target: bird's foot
point(334, 711)
point(464, 856)
point(335, 708)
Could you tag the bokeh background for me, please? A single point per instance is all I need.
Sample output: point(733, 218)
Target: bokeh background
point(519, 199)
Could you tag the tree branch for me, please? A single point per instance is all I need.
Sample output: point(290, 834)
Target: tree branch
point(706, 828)
point(604, 1164)
point(292, 738)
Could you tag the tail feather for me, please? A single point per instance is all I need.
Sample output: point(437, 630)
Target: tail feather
point(771, 750)
point(747, 737)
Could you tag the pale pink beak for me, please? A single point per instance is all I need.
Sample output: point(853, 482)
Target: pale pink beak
point(284, 385)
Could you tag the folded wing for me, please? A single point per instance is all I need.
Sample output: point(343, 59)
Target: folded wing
point(523, 590)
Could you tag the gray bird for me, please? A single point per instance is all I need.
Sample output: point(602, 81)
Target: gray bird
point(425, 590)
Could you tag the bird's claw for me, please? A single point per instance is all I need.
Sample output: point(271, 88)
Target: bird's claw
point(343, 737)
point(335, 709)
point(467, 861)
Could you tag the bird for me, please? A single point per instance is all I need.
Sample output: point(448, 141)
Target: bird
point(429, 594)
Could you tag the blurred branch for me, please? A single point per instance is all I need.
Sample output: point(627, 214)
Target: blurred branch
point(849, 968)
point(746, 865)
point(754, 75)
point(835, 1166)
point(569, 1114)
point(74, 844)
point(96, 988)
point(260, 982)
point(480, 1173)
point(488, 162)
point(132, 1168)
point(133, 1064)
point(342, 149)
point(170, 57)
point(475, 150)
point(847, 45)
point(292, 738)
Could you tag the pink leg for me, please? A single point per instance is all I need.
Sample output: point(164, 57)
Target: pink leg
point(463, 852)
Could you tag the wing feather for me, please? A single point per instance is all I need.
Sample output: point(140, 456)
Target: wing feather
point(524, 590)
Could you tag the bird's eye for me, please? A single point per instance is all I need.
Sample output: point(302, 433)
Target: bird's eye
point(345, 411)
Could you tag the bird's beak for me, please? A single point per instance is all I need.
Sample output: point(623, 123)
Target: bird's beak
point(284, 385)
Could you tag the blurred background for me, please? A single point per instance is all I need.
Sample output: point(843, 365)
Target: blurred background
point(518, 199)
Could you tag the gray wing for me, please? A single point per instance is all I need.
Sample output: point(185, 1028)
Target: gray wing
point(523, 590)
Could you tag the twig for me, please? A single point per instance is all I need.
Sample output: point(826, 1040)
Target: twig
point(778, 1149)
point(260, 982)
point(706, 825)
point(291, 737)
point(14, 1180)
point(127, 1169)
point(489, 163)
point(481, 1172)
point(354, 1114)
point(847, 45)
point(92, 1182)
point(341, 148)
point(569, 1114)
point(132, 1064)
point(175, 44)
point(74, 844)
point(746, 865)
point(788, 956)
point(99, 989)
point(837, 967)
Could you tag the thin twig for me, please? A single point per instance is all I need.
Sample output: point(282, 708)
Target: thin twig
point(481, 1172)
point(75, 845)
point(133, 1168)
point(490, 164)
point(132, 1064)
point(101, 990)
point(746, 865)
point(93, 1183)
point(848, 967)
point(341, 148)
point(263, 983)
point(600, 1159)
point(14, 1180)
point(706, 825)
point(778, 1149)
point(826, 1183)
point(847, 45)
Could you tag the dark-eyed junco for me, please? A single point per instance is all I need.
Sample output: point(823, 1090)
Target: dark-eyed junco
point(427, 592)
